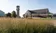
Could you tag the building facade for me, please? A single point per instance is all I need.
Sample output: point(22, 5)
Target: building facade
point(2, 14)
point(37, 13)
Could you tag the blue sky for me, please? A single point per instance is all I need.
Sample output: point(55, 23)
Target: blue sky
point(10, 5)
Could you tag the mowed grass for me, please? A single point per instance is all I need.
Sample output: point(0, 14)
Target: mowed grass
point(18, 25)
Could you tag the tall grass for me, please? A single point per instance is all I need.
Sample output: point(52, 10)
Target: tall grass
point(15, 25)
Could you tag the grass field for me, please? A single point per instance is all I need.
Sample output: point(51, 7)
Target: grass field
point(15, 25)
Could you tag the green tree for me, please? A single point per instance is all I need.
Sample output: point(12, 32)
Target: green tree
point(8, 15)
point(50, 14)
point(13, 14)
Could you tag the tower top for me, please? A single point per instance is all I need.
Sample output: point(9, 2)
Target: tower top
point(17, 6)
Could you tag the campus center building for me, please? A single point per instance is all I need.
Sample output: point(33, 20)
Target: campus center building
point(37, 13)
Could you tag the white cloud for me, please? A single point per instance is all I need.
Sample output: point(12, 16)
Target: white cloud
point(3, 4)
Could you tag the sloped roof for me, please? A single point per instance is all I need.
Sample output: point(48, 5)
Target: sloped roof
point(39, 11)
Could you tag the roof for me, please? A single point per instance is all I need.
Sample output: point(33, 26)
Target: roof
point(39, 11)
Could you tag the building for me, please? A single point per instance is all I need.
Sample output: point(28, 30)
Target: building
point(2, 14)
point(17, 9)
point(54, 15)
point(37, 13)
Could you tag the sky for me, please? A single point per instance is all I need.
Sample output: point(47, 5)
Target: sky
point(10, 5)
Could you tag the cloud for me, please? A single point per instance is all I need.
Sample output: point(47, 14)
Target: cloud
point(3, 4)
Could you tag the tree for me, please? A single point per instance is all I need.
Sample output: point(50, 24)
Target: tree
point(8, 15)
point(50, 14)
point(24, 15)
point(13, 14)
